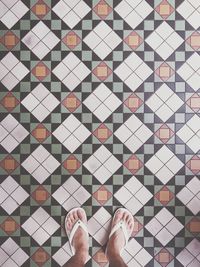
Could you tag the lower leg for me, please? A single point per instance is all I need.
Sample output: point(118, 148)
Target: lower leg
point(116, 261)
point(80, 240)
point(78, 260)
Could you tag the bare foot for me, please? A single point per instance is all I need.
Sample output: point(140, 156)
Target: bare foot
point(117, 240)
point(80, 239)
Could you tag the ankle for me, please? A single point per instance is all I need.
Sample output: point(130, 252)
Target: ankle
point(112, 252)
point(82, 253)
point(113, 255)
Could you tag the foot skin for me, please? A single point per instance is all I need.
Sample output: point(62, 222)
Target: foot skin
point(117, 240)
point(80, 239)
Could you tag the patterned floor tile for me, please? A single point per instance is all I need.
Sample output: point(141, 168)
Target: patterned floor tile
point(99, 108)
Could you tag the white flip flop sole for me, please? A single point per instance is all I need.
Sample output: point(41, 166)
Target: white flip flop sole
point(121, 225)
point(77, 224)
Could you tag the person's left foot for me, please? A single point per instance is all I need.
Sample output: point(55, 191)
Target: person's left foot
point(80, 239)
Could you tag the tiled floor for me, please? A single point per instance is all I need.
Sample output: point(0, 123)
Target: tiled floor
point(100, 108)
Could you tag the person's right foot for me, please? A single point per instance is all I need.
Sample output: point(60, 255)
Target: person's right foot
point(80, 239)
point(117, 241)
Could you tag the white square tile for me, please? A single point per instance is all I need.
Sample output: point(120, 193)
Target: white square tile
point(51, 40)
point(70, 203)
point(9, 185)
point(10, 246)
point(194, 185)
point(81, 195)
point(143, 195)
point(71, 185)
point(20, 257)
point(133, 19)
point(92, 40)
point(61, 195)
point(194, 205)
point(40, 153)
point(40, 112)
point(19, 195)
point(102, 112)
point(133, 205)
point(174, 226)
point(92, 164)
point(102, 174)
point(123, 195)
point(3, 195)
point(143, 257)
point(154, 226)
point(50, 164)
point(40, 174)
point(164, 216)
point(164, 236)
point(41, 50)
point(40, 216)
point(40, 30)
point(102, 216)
point(102, 50)
point(61, 9)
point(185, 257)
point(50, 226)
point(40, 236)
point(30, 226)
point(9, 19)
point(93, 226)
point(9, 205)
point(19, 9)
point(3, 71)
point(3, 255)
point(185, 195)
point(154, 164)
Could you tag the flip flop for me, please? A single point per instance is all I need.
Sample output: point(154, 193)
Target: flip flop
point(121, 225)
point(77, 224)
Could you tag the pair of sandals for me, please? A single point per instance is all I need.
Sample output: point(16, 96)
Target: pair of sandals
point(120, 225)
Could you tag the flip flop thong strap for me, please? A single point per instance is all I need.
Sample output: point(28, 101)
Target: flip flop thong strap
point(78, 224)
point(120, 225)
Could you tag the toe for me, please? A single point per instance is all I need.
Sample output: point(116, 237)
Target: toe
point(118, 217)
point(81, 215)
point(75, 215)
point(69, 225)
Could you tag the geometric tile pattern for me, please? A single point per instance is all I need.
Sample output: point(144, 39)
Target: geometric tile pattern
point(12, 12)
point(99, 108)
point(133, 133)
point(40, 164)
point(133, 13)
point(71, 133)
point(133, 195)
point(40, 40)
point(12, 71)
point(71, 194)
point(40, 102)
point(102, 40)
point(40, 226)
point(164, 40)
point(71, 71)
point(164, 226)
point(133, 71)
point(164, 102)
point(13, 133)
point(12, 195)
point(189, 195)
point(190, 71)
point(102, 164)
point(190, 133)
point(189, 10)
point(164, 164)
point(71, 12)
point(102, 102)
